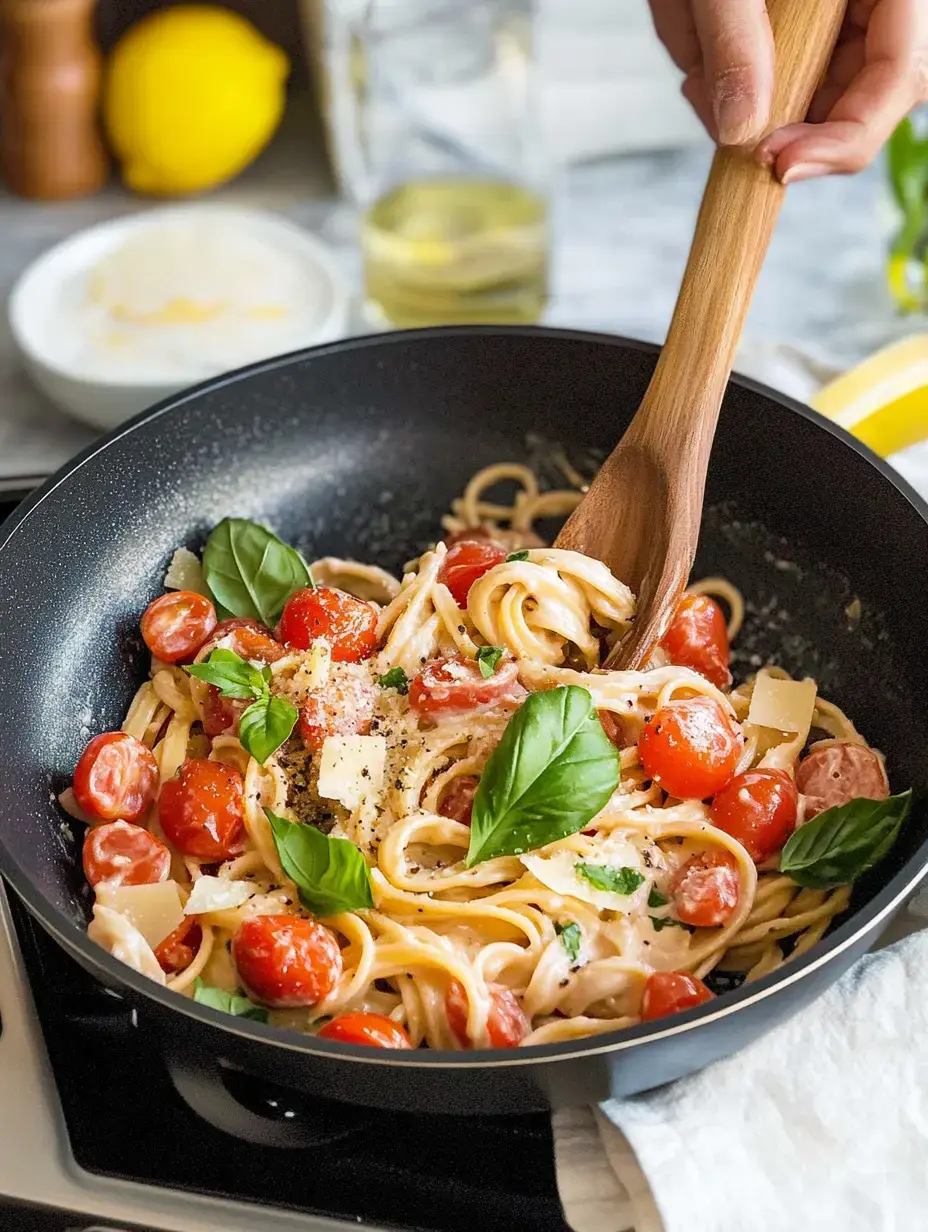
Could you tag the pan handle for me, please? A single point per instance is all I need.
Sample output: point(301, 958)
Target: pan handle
point(201, 1084)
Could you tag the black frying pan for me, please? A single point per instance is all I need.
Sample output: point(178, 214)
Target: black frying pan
point(357, 449)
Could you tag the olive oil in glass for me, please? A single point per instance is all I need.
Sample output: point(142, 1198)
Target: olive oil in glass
point(456, 250)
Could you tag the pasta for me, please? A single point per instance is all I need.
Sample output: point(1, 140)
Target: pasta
point(401, 714)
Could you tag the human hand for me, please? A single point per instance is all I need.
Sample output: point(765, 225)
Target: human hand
point(878, 73)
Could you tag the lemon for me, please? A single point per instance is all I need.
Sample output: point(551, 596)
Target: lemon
point(884, 401)
point(192, 95)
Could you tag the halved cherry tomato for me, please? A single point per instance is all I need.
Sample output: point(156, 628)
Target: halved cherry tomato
point(121, 854)
point(458, 801)
point(759, 809)
point(456, 686)
point(507, 1025)
point(690, 748)
point(176, 625)
point(466, 562)
point(698, 638)
point(671, 992)
point(837, 773)
point(348, 624)
point(345, 707)
point(614, 729)
point(178, 950)
point(116, 777)
point(251, 641)
point(202, 810)
point(375, 1030)
point(706, 889)
point(285, 960)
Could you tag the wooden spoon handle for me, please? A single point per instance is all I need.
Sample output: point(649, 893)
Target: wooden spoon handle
point(736, 221)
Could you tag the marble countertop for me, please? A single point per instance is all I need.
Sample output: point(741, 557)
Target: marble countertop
point(621, 230)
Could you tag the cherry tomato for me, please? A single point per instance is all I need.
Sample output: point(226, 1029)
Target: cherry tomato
point(698, 638)
point(116, 777)
point(376, 1030)
point(838, 773)
point(458, 800)
point(120, 854)
point(671, 992)
point(176, 625)
point(511, 540)
point(202, 810)
point(706, 889)
point(178, 950)
point(456, 686)
point(345, 707)
point(285, 960)
point(466, 562)
point(614, 729)
point(690, 748)
point(759, 809)
point(251, 641)
point(348, 624)
point(507, 1025)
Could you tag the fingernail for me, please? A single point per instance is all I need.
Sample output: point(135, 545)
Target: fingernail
point(804, 171)
point(735, 117)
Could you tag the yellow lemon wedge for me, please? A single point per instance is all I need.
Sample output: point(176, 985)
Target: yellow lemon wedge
point(192, 95)
point(884, 401)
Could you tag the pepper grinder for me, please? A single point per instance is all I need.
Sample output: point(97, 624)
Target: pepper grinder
point(50, 72)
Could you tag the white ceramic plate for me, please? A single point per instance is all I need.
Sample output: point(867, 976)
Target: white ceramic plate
point(39, 304)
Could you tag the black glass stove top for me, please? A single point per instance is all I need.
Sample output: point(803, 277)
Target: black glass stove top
point(125, 1119)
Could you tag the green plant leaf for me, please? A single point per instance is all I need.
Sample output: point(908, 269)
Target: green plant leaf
point(395, 678)
point(331, 873)
point(265, 725)
point(843, 843)
point(570, 936)
point(228, 1002)
point(551, 773)
point(615, 880)
point(232, 675)
point(250, 572)
point(665, 921)
point(517, 556)
point(488, 658)
point(657, 899)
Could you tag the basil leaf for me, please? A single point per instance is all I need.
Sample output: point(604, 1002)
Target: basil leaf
point(330, 873)
point(553, 771)
point(228, 1002)
point(616, 880)
point(265, 725)
point(843, 843)
point(488, 658)
point(395, 678)
point(517, 556)
point(231, 675)
point(250, 572)
point(907, 161)
point(665, 921)
point(570, 936)
point(657, 899)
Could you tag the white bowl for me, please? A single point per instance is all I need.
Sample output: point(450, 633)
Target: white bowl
point(37, 314)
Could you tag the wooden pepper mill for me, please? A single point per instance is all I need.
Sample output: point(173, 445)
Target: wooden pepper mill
point(50, 70)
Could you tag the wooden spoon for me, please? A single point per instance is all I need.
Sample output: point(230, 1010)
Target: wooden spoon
point(641, 515)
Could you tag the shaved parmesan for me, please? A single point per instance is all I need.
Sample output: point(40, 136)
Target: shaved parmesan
point(216, 894)
point(186, 573)
point(113, 933)
point(786, 705)
point(313, 672)
point(351, 769)
point(154, 910)
point(558, 872)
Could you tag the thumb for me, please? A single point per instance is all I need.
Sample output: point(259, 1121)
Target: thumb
point(737, 48)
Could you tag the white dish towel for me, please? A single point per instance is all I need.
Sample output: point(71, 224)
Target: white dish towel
point(819, 1126)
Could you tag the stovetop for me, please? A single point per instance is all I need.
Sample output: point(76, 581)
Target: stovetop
point(115, 1125)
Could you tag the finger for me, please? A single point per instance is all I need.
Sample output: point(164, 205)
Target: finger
point(695, 93)
point(737, 47)
point(893, 79)
point(675, 27)
point(846, 63)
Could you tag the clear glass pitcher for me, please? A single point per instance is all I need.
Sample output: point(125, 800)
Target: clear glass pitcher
point(431, 111)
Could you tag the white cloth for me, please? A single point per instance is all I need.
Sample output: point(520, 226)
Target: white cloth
point(821, 1125)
